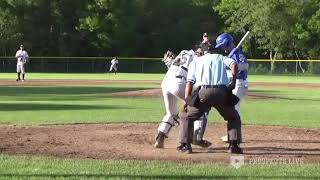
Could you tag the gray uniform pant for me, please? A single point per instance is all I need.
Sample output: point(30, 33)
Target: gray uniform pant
point(210, 97)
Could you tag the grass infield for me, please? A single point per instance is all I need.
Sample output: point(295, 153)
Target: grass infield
point(25, 167)
point(47, 104)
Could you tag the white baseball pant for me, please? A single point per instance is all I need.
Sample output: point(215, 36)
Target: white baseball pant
point(240, 91)
point(172, 90)
point(20, 68)
point(113, 66)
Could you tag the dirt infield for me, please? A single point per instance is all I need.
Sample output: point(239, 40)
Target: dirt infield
point(134, 142)
point(105, 82)
point(158, 93)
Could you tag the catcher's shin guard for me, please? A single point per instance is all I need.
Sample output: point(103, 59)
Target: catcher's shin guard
point(167, 122)
point(199, 130)
point(200, 127)
point(164, 128)
point(160, 140)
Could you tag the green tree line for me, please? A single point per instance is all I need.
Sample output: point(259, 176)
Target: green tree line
point(280, 29)
point(104, 27)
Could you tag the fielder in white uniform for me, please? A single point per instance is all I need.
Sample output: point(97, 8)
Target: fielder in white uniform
point(22, 58)
point(173, 88)
point(114, 65)
point(225, 41)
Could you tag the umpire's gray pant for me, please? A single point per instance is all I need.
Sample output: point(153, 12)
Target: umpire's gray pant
point(210, 97)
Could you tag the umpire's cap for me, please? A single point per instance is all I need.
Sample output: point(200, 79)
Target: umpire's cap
point(205, 34)
point(205, 47)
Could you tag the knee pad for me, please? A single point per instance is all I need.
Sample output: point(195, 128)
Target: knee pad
point(167, 122)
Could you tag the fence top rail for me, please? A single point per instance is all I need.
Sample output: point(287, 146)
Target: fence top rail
point(284, 60)
point(152, 58)
point(85, 57)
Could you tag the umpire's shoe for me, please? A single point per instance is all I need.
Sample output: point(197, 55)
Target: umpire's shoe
point(202, 143)
point(185, 148)
point(234, 148)
point(160, 140)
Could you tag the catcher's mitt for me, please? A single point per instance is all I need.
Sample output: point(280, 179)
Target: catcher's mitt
point(168, 58)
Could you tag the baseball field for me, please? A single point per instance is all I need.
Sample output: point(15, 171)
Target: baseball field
point(99, 126)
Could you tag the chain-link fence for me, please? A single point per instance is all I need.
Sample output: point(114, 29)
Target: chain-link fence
point(85, 64)
point(147, 65)
point(297, 67)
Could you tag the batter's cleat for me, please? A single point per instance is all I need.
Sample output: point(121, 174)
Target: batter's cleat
point(202, 143)
point(23, 80)
point(225, 139)
point(18, 79)
point(185, 148)
point(159, 140)
point(234, 148)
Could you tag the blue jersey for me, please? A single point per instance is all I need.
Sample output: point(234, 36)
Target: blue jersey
point(237, 55)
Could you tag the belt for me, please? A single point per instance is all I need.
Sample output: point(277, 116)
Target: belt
point(184, 68)
point(179, 77)
point(242, 78)
point(213, 86)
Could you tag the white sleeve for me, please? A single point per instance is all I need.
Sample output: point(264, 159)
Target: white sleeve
point(17, 54)
point(243, 66)
point(243, 63)
point(26, 54)
point(191, 77)
point(228, 61)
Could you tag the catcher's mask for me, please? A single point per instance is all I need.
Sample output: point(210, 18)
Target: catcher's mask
point(184, 58)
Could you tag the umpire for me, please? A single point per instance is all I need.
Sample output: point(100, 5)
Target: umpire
point(209, 73)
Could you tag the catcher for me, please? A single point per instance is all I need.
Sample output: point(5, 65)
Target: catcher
point(173, 88)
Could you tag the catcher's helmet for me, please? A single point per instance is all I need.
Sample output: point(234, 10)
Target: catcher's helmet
point(223, 40)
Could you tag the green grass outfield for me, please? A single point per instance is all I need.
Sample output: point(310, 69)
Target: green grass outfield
point(49, 104)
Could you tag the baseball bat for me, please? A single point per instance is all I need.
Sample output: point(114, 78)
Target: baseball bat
point(240, 42)
point(243, 38)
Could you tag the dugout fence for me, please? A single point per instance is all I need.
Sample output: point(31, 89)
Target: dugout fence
point(147, 65)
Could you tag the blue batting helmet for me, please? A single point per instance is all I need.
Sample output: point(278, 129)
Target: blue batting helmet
point(223, 40)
